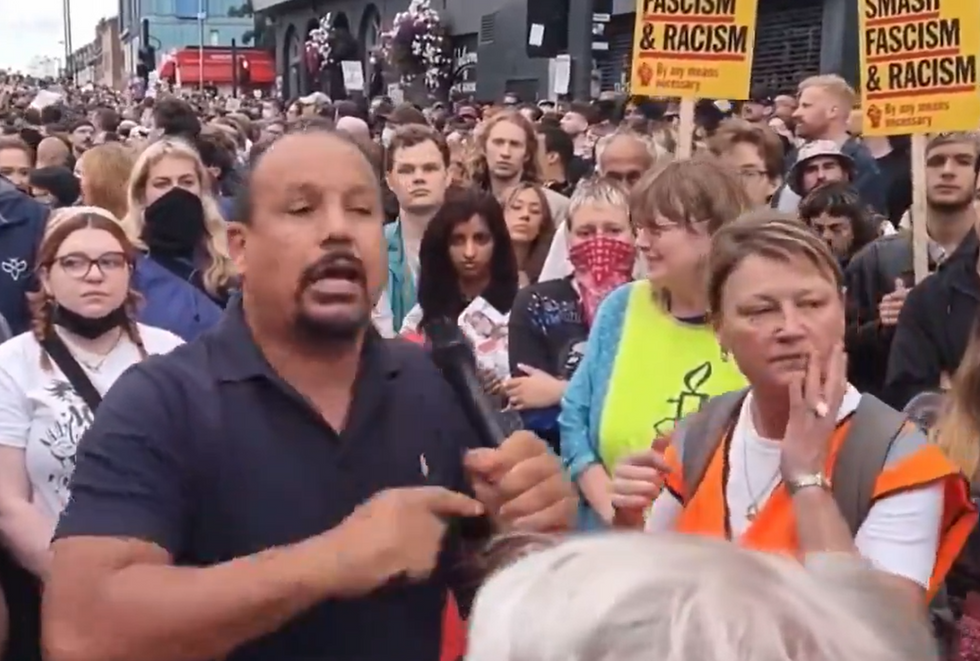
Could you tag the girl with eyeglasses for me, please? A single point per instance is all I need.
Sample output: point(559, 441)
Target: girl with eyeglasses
point(85, 310)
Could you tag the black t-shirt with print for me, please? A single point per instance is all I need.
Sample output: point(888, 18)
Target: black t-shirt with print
point(547, 330)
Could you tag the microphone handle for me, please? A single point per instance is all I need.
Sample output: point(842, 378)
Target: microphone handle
point(477, 404)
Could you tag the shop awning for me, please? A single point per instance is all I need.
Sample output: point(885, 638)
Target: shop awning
point(217, 68)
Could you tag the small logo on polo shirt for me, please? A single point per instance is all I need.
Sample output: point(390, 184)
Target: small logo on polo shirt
point(14, 267)
point(423, 465)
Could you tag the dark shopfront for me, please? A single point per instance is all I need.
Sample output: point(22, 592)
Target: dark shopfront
point(794, 39)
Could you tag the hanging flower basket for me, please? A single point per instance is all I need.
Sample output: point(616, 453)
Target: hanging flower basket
point(418, 46)
point(319, 45)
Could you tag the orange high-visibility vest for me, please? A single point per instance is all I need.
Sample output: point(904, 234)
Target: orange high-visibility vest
point(912, 462)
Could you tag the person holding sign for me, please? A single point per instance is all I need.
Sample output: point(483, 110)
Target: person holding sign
point(934, 326)
point(914, 365)
point(825, 104)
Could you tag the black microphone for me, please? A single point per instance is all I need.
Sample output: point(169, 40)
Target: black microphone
point(453, 355)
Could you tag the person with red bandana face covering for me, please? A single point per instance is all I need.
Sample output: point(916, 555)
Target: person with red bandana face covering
point(651, 353)
point(601, 263)
point(550, 321)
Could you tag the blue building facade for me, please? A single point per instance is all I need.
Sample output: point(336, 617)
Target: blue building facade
point(174, 25)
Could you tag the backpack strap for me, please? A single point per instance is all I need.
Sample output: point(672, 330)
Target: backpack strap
point(698, 435)
point(862, 456)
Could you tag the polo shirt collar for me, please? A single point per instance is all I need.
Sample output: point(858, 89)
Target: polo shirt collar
point(236, 356)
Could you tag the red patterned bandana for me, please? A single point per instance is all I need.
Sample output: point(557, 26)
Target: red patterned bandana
point(601, 265)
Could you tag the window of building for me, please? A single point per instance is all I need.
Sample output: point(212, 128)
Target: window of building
point(189, 8)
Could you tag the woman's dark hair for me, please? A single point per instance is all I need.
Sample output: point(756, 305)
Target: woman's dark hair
point(60, 182)
point(439, 295)
point(840, 200)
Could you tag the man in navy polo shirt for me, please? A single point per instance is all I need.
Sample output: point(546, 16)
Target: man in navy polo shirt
point(290, 486)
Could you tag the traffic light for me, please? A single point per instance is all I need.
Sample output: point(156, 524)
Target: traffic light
point(147, 57)
point(244, 72)
point(147, 62)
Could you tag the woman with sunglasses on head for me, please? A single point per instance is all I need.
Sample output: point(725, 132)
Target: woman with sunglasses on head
point(85, 315)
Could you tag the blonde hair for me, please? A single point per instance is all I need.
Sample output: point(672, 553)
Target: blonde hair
point(106, 170)
point(766, 233)
point(835, 86)
point(636, 596)
point(221, 270)
point(958, 426)
point(597, 190)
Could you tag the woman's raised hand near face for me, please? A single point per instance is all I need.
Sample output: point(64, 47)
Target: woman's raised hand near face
point(814, 403)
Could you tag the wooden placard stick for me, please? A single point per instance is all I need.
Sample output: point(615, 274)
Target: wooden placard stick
point(920, 235)
point(685, 129)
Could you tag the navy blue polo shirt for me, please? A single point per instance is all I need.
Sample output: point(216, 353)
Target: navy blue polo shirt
point(207, 453)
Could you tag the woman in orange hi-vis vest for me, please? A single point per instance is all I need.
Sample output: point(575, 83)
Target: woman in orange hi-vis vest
point(765, 477)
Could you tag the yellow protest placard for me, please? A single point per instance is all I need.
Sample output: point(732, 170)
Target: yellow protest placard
point(693, 48)
point(919, 65)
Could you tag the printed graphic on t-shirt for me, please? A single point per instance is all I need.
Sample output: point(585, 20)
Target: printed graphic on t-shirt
point(571, 358)
point(688, 399)
point(72, 418)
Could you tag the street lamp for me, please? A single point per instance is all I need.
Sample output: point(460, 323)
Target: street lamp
point(66, 15)
point(201, 15)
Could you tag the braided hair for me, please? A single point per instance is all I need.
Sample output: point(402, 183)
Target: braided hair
point(63, 224)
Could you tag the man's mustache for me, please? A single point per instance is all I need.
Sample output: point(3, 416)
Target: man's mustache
point(337, 263)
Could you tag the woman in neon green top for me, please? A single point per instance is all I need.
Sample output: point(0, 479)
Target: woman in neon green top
point(652, 356)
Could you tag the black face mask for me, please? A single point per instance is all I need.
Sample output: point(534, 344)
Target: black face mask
point(88, 327)
point(174, 224)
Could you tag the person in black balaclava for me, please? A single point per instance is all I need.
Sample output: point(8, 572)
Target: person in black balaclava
point(174, 233)
point(55, 186)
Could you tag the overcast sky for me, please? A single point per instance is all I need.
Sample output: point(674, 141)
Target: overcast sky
point(34, 27)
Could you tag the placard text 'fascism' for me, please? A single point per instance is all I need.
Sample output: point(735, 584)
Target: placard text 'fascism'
point(694, 48)
point(919, 65)
point(695, 29)
point(910, 48)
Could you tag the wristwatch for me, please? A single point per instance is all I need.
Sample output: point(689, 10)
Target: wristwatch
point(800, 482)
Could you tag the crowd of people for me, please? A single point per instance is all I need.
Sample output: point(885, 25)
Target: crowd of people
point(720, 346)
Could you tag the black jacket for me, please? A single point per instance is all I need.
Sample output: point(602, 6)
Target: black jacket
point(935, 326)
point(870, 275)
